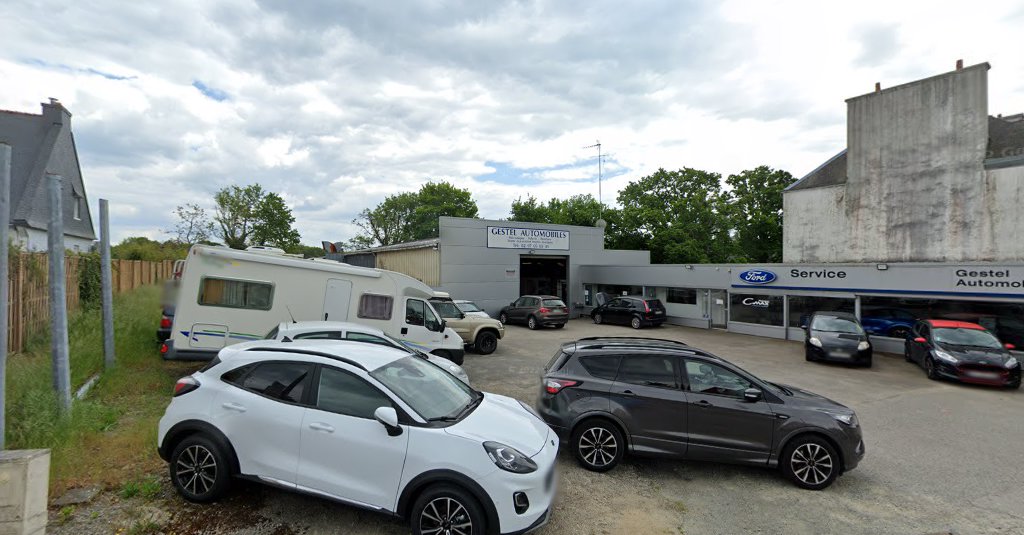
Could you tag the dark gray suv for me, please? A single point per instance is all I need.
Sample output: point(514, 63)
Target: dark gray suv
point(660, 397)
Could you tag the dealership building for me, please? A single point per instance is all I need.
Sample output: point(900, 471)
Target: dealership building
point(919, 217)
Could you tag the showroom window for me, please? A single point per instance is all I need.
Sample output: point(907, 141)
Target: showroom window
point(754, 308)
point(682, 296)
point(894, 317)
point(802, 306)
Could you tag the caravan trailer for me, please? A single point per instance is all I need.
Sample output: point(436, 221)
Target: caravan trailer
point(228, 296)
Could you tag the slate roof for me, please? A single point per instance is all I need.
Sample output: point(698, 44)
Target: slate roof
point(830, 173)
point(42, 144)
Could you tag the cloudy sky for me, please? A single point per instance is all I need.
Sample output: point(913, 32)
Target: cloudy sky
point(337, 104)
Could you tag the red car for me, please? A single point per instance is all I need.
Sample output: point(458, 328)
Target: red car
point(962, 351)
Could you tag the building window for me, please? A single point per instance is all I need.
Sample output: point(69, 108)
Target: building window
point(374, 307)
point(802, 306)
point(236, 293)
point(682, 296)
point(77, 207)
point(754, 308)
point(894, 317)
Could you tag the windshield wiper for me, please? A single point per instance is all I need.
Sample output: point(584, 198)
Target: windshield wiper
point(784, 390)
point(465, 410)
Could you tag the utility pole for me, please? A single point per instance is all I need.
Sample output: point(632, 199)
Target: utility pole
point(600, 200)
point(5, 233)
point(106, 287)
point(58, 296)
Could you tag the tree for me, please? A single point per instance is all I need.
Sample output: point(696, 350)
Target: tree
point(143, 248)
point(412, 215)
point(193, 226)
point(236, 213)
point(436, 199)
point(272, 224)
point(581, 210)
point(755, 210)
point(390, 222)
point(680, 216)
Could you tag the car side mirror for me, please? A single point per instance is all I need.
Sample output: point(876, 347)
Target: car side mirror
point(752, 395)
point(388, 417)
point(920, 340)
point(1009, 346)
point(442, 326)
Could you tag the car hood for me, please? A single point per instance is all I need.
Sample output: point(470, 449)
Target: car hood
point(978, 355)
point(841, 340)
point(503, 419)
point(810, 399)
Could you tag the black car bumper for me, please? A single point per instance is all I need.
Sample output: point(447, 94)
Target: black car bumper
point(163, 334)
point(839, 355)
point(990, 376)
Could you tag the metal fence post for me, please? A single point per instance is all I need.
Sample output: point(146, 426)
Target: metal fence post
point(106, 286)
point(58, 296)
point(5, 233)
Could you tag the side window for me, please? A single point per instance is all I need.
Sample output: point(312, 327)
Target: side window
point(369, 338)
point(430, 319)
point(926, 331)
point(320, 335)
point(344, 393)
point(374, 307)
point(602, 367)
point(613, 303)
point(532, 302)
point(520, 302)
point(235, 293)
point(629, 303)
point(236, 375)
point(414, 312)
point(285, 381)
point(652, 370)
point(707, 378)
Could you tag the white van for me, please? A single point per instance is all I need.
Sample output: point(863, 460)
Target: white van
point(229, 296)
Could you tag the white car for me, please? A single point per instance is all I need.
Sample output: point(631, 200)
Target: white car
point(470, 308)
point(343, 330)
point(366, 425)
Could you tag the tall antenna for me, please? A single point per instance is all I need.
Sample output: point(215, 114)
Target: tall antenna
point(600, 201)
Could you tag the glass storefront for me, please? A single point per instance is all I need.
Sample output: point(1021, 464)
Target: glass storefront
point(802, 306)
point(895, 316)
point(755, 308)
point(681, 296)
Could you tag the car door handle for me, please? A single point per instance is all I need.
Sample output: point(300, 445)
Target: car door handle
point(704, 404)
point(232, 406)
point(325, 316)
point(317, 426)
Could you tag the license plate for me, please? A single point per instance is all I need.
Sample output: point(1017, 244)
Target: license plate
point(839, 354)
point(982, 375)
point(658, 312)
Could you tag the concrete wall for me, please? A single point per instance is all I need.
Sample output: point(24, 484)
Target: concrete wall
point(916, 188)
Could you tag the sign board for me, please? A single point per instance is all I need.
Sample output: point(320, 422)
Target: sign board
point(527, 238)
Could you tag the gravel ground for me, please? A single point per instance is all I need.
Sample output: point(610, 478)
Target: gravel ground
point(941, 458)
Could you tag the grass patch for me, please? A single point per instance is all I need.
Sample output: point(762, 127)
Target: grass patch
point(110, 436)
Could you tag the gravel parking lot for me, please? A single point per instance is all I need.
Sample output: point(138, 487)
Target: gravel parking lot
point(941, 458)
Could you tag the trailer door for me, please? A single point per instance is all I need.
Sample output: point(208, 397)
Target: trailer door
point(337, 299)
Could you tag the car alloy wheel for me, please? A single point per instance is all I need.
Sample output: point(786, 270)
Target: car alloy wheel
point(532, 322)
point(929, 368)
point(447, 510)
point(598, 319)
point(503, 318)
point(635, 323)
point(812, 465)
point(598, 446)
point(486, 343)
point(199, 470)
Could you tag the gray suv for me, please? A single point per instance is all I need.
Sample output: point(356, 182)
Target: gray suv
point(607, 396)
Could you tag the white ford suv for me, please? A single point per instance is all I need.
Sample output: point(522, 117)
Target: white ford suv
point(370, 426)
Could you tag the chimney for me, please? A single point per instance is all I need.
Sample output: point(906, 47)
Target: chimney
point(959, 64)
point(878, 87)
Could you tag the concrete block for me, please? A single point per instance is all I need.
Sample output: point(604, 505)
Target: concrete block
point(24, 489)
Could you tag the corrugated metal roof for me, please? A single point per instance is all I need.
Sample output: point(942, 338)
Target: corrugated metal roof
point(418, 244)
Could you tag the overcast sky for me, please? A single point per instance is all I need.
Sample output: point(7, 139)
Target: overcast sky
point(337, 104)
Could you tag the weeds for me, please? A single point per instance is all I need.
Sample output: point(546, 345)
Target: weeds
point(150, 488)
point(129, 489)
point(143, 527)
point(66, 513)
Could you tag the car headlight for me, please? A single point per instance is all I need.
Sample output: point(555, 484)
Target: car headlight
point(1011, 362)
point(509, 459)
point(863, 346)
point(815, 342)
point(847, 418)
point(946, 357)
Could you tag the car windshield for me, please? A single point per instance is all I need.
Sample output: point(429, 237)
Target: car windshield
point(447, 309)
point(553, 303)
point(966, 337)
point(433, 393)
point(834, 324)
point(468, 307)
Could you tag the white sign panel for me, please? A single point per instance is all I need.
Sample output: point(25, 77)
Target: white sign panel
point(527, 238)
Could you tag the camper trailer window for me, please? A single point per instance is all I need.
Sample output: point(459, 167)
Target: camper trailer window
point(375, 307)
point(236, 293)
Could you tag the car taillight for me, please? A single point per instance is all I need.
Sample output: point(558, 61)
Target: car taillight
point(554, 386)
point(163, 348)
point(647, 308)
point(165, 322)
point(185, 385)
point(544, 310)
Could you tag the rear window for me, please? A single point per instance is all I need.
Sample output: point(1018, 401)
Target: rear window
point(654, 303)
point(556, 361)
point(602, 367)
point(553, 303)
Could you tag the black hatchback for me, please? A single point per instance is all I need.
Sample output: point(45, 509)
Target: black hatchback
point(633, 310)
point(836, 336)
point(607, 396)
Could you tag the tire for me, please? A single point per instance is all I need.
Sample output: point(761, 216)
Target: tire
point(443, 505)
point(906, 353)
point(486, 342)
point(929, 369)
point(447, 355)
point(598, 318)
point(810, 462)
point(899, 332)
point(200, 470)
point(503, 318)
point(808, 356)
point(560, 325)
point(591, 442)
point(635, 323)
point(1013, 386)
point(531, 322)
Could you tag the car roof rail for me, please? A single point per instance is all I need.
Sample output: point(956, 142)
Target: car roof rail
point(641, 338)
point(310, 353)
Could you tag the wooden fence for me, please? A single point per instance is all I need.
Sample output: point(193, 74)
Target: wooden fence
point(29, 304)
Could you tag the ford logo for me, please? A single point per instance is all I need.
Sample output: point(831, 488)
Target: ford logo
point(757, 276)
